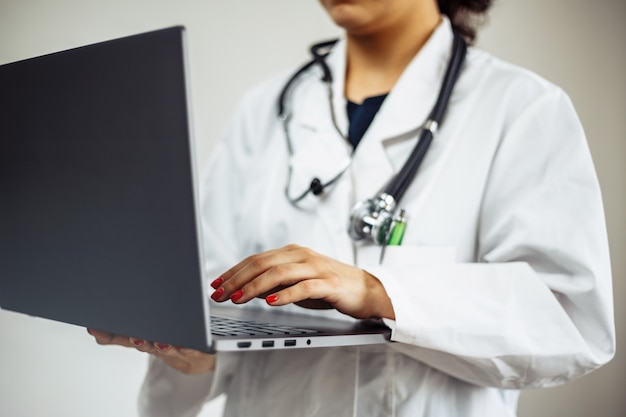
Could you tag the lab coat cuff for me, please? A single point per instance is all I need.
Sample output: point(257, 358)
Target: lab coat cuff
point(402, 306)
point(389, 323)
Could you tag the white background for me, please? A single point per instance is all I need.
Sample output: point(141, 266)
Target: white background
point(53, 369)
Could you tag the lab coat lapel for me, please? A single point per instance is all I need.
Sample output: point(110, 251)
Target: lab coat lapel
point(393, 132)
point(321, 152)
point(373, 168)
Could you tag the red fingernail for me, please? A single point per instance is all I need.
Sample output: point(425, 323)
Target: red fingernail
point(217, 282)
point(271, 298)
point(236, 295)
point(217, 294)
point(163, 346)
point(138, 342)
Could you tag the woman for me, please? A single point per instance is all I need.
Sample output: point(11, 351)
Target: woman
point(502, 281)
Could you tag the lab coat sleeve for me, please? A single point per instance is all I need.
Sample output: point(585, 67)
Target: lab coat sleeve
point(167, 392)
point(536, 308)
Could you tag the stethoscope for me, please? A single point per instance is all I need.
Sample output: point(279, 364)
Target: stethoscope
point(373, 219)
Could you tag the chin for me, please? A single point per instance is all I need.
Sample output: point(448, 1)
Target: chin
point(352, 15)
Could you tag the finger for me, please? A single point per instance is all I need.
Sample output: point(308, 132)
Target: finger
point(171, 356)
point(219, 293)
point(142, 345)
point(252, 259)
point(255, 266)
point(302, 291)
point(105, 338)
point(309, 290)
point(164, 349)
point(276, 277)
point(259, 262)
point(167, 350)
point(188, 361)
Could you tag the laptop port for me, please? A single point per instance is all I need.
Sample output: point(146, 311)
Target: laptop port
point(244, 344)
point(290, 342)
point(268, 343)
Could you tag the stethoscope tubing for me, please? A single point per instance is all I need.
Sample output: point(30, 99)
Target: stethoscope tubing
point(402, 180)
point(398, 185)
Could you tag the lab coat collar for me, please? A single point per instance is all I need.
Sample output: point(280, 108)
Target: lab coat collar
point(404, 111)
point(411, 99)
point(414, 94)
point(402, 114)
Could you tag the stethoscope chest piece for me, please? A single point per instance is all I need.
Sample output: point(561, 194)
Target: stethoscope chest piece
point(372, 219)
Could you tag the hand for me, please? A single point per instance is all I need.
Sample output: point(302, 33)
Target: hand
point(187, 361)
point(294, 274)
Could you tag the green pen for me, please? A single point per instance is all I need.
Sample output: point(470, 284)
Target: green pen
point(399, 227)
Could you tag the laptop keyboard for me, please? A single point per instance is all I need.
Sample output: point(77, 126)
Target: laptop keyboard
point(226, 326)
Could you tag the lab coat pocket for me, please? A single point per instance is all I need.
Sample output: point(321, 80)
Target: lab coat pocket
point(404, 255)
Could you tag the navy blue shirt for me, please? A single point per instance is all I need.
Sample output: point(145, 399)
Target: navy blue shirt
point(361, 115)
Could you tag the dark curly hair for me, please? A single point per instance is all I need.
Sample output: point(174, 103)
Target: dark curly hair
point(465, 15)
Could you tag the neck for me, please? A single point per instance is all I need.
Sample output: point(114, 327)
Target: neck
point(376, 59)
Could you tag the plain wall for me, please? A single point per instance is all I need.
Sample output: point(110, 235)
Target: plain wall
point(53, 369)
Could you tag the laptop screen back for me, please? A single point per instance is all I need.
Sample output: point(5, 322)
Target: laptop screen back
point(96, 196)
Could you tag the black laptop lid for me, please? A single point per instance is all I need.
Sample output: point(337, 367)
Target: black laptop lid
point(96, 201)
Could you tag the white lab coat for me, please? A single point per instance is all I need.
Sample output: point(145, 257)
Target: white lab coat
point(502, 282)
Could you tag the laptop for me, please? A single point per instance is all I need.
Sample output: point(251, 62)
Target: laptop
point(99, 222)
